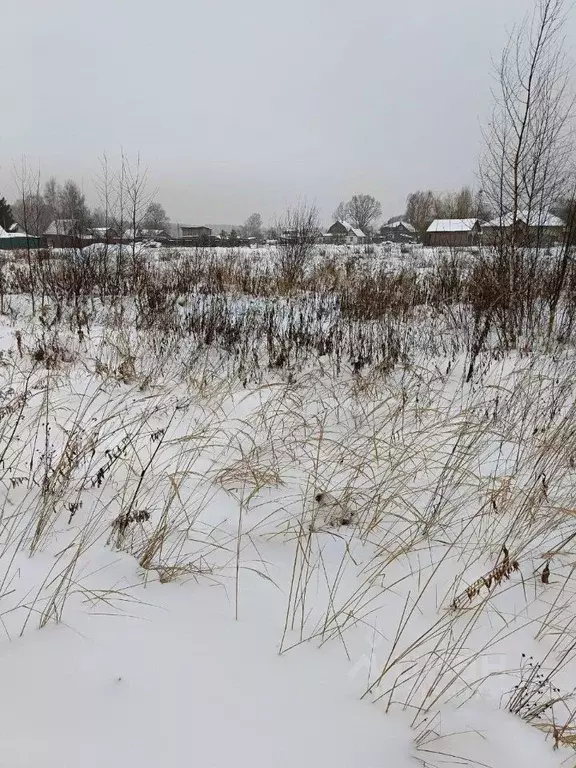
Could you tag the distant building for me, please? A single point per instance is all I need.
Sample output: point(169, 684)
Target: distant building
point(66, 233)
point(453, 233)
point(188, 234)
point(16, 239)
point(104, 234)
point(172, 234)
point(343, 232)
point(542, 228)
point(303, 235)
point(398, 232)
point(147, 235)
point(289, 236)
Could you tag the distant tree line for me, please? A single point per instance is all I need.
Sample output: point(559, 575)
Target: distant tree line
point(423, 206)
point(37, 207)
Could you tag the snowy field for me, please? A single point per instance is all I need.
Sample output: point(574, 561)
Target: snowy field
point(299, 537)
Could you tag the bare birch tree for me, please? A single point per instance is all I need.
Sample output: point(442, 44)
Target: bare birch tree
point(134, 201)
point(527, 163)
point(108, 200)
point(28, 184)
point(341, 211)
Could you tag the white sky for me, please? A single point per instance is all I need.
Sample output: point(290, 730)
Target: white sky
point(238, 107)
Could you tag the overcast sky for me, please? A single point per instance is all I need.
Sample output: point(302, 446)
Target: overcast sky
point(242, 106)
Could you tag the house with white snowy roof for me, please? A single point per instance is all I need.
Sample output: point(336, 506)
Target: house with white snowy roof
point(344, 232)
point(66, 233)
point(453, 233)
point(16, 239)
point(531, 227)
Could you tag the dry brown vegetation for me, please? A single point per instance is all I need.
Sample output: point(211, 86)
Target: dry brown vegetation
point(193, 412)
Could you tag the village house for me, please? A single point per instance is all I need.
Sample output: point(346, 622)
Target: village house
point(16, 239)
point(288, 236)
point(147, 235)
point(398, 232)
point(342, 232)
point(104, 234)
point(66, 233)
point(453, 233)
point(291, 236)
point(172, 234)
point(535, 228)
point(188, 234)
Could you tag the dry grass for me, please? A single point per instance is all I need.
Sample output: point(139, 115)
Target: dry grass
point(420, 510)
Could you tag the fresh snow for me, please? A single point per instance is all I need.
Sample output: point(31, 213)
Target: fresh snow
point(259, 630)
point(452, 225)
point(532, 218)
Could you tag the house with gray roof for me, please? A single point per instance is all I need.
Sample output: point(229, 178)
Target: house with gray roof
point(398, 232)
point(188, 234)
point(344, 232)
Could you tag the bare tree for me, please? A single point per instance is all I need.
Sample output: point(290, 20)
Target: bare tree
point(37, 208)
point(33, 211)
point(341, 212)
point(424, 206)
point(28, 185)
point(123, 200)
point(135, 194)
point(155, 217)
point(455, 205)
point(420, 209)
point(464, 203)
point(529, 137)
point(527, 164)
point(72, 206)
point(564, 261)
point(98, 217)
point(104, 216)
point(253, 226)
point(300, 230)
point(363, 211)
point(51, 197)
